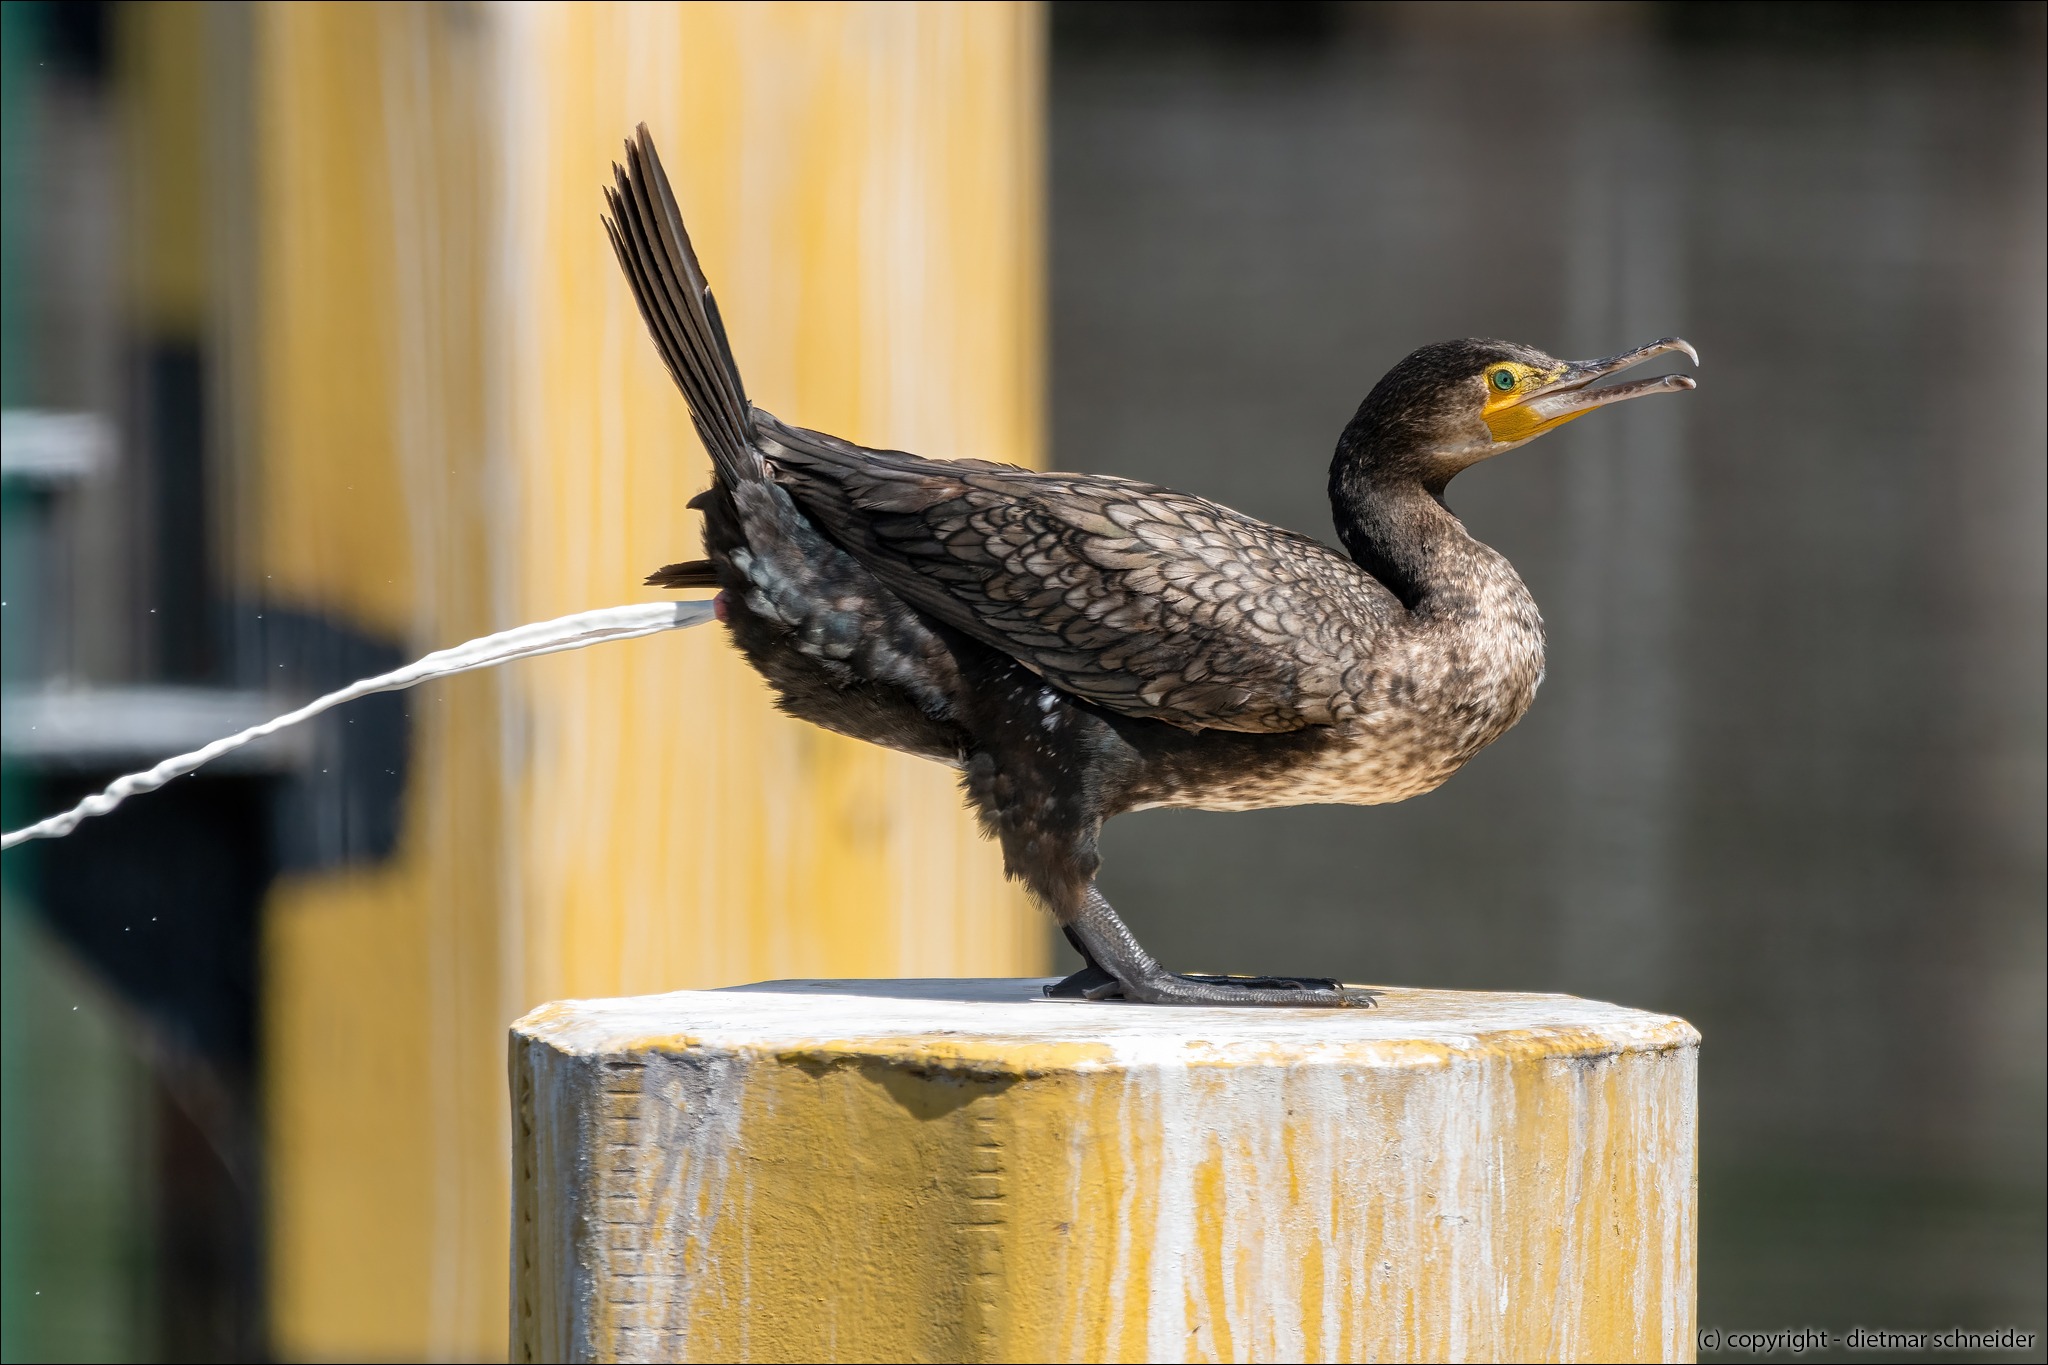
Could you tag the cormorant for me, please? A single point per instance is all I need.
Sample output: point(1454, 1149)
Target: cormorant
point(1079, 645)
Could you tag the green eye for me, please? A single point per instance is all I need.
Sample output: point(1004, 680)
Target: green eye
point(1503, 380)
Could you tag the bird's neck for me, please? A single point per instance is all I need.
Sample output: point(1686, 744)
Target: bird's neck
point(1468, 610)
point(1400, 532)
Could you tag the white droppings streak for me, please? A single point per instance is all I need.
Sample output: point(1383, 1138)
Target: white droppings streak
point(696, 1127)
point(521, 642)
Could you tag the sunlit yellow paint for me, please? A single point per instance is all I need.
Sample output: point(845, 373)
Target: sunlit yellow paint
point(810, 1172)
point(457, 424)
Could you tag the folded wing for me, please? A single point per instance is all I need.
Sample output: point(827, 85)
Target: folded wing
point(1152, 603)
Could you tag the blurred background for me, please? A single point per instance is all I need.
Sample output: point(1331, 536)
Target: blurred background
point(314, 360)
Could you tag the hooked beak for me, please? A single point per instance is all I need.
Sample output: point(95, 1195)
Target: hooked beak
point(1570, 395)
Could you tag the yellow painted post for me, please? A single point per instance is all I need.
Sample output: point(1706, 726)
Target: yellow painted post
point(456, 424)
point(964, 1171)
point(365, 503)
point(863, 184)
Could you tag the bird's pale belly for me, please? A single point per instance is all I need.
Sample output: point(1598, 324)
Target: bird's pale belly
point(1365, 764)
point(1397, 750)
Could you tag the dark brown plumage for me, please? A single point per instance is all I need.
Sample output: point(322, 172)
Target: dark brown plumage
point(1081, 645)
point(1150, 602)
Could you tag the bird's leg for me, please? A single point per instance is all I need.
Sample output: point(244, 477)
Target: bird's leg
point(1092, 982)
point(1119, 967)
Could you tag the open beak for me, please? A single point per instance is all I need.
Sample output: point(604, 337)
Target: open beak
point(1571, 394)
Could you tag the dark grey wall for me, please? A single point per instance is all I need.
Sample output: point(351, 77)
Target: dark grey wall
point(1786, 774)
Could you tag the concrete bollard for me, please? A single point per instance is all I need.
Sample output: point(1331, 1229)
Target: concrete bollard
point(963, 1170)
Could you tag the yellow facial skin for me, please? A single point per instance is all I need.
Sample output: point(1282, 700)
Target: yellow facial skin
point(1509, 421)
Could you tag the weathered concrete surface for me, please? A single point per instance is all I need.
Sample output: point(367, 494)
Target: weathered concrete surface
point(959, 1170)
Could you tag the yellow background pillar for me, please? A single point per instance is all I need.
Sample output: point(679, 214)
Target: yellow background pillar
point(456, 425)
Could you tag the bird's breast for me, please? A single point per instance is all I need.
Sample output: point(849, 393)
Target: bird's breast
point(1427, 702)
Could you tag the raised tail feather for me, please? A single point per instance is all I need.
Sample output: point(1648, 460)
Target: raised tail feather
point(694, 573)
point(654, 250)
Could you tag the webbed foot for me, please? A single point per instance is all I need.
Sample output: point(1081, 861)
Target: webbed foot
point(1090, 983)
point(1119, 969)
point(1171, 988)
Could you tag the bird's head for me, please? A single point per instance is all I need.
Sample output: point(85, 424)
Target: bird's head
point(1449, 406)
